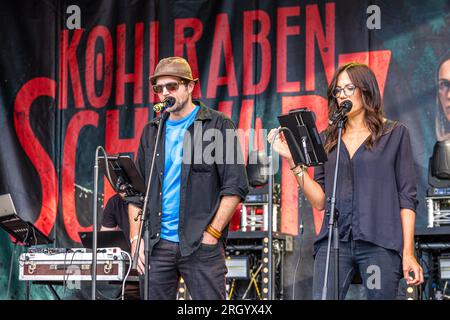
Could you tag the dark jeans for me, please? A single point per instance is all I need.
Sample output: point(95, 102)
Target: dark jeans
point(380, 270)
point(203, 272)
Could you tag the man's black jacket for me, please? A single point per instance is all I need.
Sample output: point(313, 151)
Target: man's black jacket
point(203, 182)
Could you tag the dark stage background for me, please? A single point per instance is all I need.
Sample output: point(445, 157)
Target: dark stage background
point(64, 91)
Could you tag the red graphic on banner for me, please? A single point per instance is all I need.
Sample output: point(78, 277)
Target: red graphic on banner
point(283, 32)
point(69, 66)
point(222, 43)
point(104, 69)
point(249, 87)
point(115, 145)
point(95, 72)
point(76, 124)
point(378, 61)
point(27, 95)
point(153, 59)
point(122, 76)
point(180, 42)
point(325, 42)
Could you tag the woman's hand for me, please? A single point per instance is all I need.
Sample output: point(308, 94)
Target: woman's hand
point(280, 145)
point(410, 264)
point(312, 190)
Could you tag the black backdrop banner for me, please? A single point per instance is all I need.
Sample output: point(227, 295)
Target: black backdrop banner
point(74, 75)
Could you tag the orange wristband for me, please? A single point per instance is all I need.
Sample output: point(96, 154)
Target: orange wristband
point(214, 232)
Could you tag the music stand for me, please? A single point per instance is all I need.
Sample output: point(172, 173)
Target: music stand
point(23, 232)
point(303, 133)
point(306, 148)
point(301, 125)
point(123, 175)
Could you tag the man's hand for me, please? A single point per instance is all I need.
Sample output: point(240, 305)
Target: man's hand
point(141, 259)
point(209, 239)
point(410, 265)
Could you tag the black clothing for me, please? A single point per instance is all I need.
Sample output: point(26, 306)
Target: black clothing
point(372, 188)
point(116, 214)
point(203, 271)
point(202, 183)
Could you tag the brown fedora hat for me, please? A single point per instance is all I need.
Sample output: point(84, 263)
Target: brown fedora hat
point(173, 66)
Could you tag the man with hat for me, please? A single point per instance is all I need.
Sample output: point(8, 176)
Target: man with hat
point(193, 194)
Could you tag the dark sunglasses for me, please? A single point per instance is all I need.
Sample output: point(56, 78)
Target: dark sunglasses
point(170, 86)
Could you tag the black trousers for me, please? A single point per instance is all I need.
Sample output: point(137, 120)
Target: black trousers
point(380, 270)
point(203, 271)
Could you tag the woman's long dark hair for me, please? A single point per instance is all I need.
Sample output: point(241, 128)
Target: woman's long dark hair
point(364, 79)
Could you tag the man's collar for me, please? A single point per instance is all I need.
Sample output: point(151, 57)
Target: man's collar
point(155, 121)
point(204, 113)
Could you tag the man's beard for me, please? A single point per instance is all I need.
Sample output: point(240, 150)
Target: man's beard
point(179, 105)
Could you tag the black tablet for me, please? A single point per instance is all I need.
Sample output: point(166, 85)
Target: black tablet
point(304, 143)
point(122, 170)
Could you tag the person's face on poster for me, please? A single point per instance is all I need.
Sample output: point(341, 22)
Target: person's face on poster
point(444, 88)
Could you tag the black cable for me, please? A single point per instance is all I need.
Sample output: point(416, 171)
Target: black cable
point(34, 234)
point(122, 291)
point(107, 298)
point(65, 280)
point(26, 236)
point(64, 274)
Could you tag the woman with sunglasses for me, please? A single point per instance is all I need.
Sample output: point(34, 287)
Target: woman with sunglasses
point(376, 192)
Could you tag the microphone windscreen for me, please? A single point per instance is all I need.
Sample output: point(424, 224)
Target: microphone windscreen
point(170, 101)
point(158, 107)
point(167, 103)
point(347, 105)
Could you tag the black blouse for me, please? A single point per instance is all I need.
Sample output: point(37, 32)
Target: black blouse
point(372, 187)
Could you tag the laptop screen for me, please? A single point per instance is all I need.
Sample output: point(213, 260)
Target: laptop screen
point(6, 205)
point(106, 239)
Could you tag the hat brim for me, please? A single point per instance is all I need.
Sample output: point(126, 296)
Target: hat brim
point(170, 74)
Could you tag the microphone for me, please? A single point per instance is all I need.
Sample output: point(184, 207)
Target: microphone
point(341, 112)
point(163, 105)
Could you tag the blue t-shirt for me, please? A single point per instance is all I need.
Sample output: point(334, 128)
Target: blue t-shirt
point(175, 130)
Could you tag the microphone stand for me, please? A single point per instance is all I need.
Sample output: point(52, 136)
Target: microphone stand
point(95, 216)
point(270, 217)
point(270, 209)
point(144, 219)
point(333, 230)
point(95, 225)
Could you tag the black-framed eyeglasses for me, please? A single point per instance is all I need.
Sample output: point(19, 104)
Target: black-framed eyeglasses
point(444, 85)
point(170, 86)
point(348, 89)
